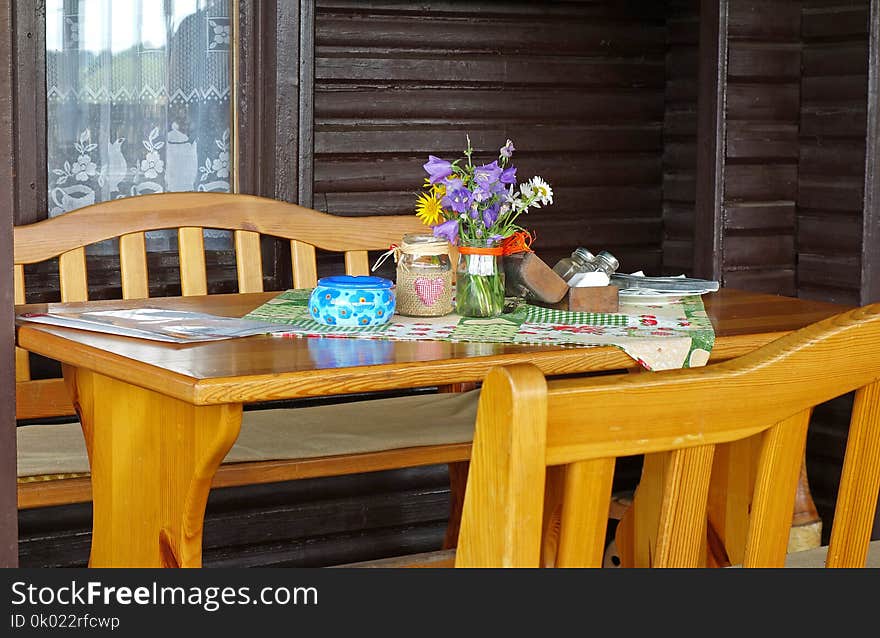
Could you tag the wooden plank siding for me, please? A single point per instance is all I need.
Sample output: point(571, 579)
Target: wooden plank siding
point(8, 182)
point(831, 178)
point(579, 88)
point(680, 136)
point(830, 199)
point(761, 148)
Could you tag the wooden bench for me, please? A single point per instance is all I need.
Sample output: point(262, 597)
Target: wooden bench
point(53, 455)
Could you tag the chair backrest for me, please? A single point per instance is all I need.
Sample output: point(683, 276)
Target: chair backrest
point(67, 236)
point(530, 431)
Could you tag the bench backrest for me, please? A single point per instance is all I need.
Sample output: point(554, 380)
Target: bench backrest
point(527, 427)
point(66, 237)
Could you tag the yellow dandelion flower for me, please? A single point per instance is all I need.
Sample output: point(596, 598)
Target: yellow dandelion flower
point(438, 190)
point(428, 209)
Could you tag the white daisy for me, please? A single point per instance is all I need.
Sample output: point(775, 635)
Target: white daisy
point(542, 190)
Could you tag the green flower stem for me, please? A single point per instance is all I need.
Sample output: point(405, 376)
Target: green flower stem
point(478, 295)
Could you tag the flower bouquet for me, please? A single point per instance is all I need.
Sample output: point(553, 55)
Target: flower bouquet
point(476, 208)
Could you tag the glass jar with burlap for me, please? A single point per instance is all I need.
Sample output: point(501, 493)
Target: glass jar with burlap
point(424, 276)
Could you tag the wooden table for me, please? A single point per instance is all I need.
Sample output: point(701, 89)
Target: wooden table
point(159, 418)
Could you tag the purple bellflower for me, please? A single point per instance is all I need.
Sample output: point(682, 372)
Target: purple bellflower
point(448, 231)
point(437, 169)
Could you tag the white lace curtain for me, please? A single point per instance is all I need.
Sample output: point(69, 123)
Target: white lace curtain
point(138, 97)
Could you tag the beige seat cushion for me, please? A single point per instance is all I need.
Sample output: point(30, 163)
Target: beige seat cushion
point(816, 557)
point(281, 434)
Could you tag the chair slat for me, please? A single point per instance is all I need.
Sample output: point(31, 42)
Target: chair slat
point(22, 361)
point(72, 272)
point(859, 483)
point(22, 365)
point(554, 491)
point(357, 262)
point(133, 266)
point(730, 496)
point(248, 261)
point(305, 267)
point(505, 487)
point(586, 500)
point(18, 276)
point(193, 274)
point(779, 466)
point(681, 533)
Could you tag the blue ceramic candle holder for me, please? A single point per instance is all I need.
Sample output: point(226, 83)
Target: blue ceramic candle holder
point(345, 300)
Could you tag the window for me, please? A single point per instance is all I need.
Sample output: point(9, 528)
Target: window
point(139, 100)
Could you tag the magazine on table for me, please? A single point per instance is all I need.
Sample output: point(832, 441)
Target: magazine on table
point(157, 324)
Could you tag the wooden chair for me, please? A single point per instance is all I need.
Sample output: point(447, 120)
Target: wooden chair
point(66, 237)
point(540, 442)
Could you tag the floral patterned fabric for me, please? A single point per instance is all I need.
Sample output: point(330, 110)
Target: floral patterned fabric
point(659, 337)
point(138, 99)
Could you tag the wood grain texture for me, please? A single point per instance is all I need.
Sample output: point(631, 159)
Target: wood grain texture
point(188, 212)
point(78, 490)
point(779, 467)
point(762, 115)
point(72, 270)
point(49, 238)
point(18, 281)
point(680, 144)
point(162, 495)
point(586, 499)
point(711, 131)
point(397, 82)
point(859, 483)
point(667, 416)
point(870, 254)
point(507, 465)
point(831, 179)
point(248, 261)
point(266, 368)
point(681, 529)
point(133, 266)
point(11, 178)
point(191, 250)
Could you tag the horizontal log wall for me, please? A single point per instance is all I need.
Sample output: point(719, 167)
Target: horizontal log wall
point(578, 87)
point(831, 181)
point(762, 112)
point(831, 186)
point(680, 136)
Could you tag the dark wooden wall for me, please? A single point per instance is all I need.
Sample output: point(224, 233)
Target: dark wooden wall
point(831, 197)
point(578, 86)
point(760, 181)
point(680, 136)
point(788, 206)
point(8, 513)
point(831, 182)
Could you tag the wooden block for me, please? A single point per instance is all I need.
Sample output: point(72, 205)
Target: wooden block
point(590, 299)
point(526, 275)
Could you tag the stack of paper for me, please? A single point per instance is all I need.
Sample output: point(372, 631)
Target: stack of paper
point(157, 324)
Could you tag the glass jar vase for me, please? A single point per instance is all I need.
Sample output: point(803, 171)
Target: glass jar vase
point(479, 285)
point(424, 276)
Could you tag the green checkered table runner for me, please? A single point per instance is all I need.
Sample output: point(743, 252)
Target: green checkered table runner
point(659, 336)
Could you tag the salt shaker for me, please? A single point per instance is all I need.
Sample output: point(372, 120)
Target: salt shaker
point(581, 261)
point(606, 262)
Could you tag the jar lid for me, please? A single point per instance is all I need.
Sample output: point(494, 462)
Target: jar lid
point(585, 254)
point(359, 281)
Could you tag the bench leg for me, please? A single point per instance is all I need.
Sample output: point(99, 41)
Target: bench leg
point(152, 461)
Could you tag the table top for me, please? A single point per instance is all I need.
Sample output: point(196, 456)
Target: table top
point(264, 368)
